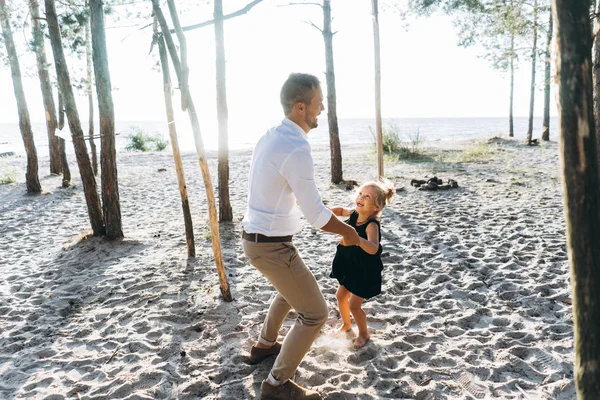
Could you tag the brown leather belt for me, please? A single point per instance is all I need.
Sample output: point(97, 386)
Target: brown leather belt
point(258, 238)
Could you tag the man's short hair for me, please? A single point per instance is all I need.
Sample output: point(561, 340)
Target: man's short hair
point(297, 87)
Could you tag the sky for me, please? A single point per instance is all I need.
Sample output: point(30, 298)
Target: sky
point(424, 72)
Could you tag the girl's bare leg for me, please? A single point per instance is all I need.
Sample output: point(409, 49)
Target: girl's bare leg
point(342, 296)
point(355, 304)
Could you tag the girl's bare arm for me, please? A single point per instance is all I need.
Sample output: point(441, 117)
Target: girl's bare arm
point(371, 243)
point(341, 211)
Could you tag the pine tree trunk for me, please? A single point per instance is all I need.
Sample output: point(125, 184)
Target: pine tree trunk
point(31, 175)
point(83, 161)
point(533, 61)
point(546, 123)
point(181, 70)
point(225, 211)
point(581, 183)
point(90, 96)
point(66, 171)
point(61, 110)
point(108, 154)
point(596, 74)
point(334, 134)
point(42, 67)
point(511, 120)
point(185, 204)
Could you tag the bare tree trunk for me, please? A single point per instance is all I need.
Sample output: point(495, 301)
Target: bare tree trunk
point(225, 211)
point(180, 69)
point(533, 60)
point(90, 95)
point(378, 123)
point(334, 134)
point(66, 180)
point(511, 120)
point(596, 73)
point(546, 123)
point(61, 110)
point(31, 176)
point(83, 161)
point(108, 154)
point(46, 87)
point(185, 204)
point(581, 182)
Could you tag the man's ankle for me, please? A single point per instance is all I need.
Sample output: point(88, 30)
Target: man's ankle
point(272, 381)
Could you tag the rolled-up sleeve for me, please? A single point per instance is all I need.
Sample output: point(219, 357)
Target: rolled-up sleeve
point(298, 170)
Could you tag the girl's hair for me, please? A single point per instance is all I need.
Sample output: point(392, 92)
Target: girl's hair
point(384, 192)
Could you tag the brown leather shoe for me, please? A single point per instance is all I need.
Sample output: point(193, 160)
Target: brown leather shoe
point(287, 391)
point(258, 354)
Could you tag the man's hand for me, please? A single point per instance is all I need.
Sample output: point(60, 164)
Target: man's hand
point(350, 239)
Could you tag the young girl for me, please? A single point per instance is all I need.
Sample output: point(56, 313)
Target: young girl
point(358, 268)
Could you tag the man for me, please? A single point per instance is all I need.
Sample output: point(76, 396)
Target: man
point(281, 180)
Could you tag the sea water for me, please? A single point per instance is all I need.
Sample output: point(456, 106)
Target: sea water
point(244, 134)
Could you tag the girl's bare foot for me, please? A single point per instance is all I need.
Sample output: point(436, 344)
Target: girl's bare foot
point(346, 330)
point(360, 341)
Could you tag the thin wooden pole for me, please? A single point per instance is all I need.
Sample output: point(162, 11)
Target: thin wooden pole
point(378, 123)
point(185, 204)
point(186, 98)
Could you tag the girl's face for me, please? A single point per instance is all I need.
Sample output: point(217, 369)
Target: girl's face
point(365, 201)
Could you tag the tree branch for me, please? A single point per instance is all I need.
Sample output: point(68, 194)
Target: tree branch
point(313, 25)
point(302, 4)
point(237, 13)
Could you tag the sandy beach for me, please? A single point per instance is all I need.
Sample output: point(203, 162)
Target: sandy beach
point(475, 303)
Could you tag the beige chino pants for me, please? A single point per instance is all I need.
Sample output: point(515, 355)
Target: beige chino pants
point(297, 288)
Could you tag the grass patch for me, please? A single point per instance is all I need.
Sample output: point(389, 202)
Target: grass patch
point(138, 140)
point(9, 175)
point(397, 146)
point(478, 152)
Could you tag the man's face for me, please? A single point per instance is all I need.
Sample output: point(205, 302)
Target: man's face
point(314, 109)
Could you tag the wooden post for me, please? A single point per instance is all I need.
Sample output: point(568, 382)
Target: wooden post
point(185, 204)
point(210, 194)
point(378, 124)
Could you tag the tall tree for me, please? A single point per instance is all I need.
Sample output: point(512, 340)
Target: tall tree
point(498, 25)
point(37, 45)
point(225, 211)
point(90, 94)
point(181, 69)
point(547, 81)
point(108, 153)
point(83, 161)
point(596, 73)
point(31, 175)
point(337, 174)
point(332, 119)
point(533, 68)
point(581, 184)
point(58, 156)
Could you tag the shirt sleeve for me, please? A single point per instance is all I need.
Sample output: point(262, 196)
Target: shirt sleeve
point(298, 170)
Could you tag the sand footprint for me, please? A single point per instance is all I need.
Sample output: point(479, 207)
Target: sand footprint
point(470, 384)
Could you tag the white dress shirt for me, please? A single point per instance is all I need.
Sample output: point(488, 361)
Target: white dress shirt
point(281, 173)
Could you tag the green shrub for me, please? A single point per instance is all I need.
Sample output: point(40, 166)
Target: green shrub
point(393, 144)
point(8, 176)
point(140, 141)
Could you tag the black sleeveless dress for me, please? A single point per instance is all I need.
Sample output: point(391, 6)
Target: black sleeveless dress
point(357, 270)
